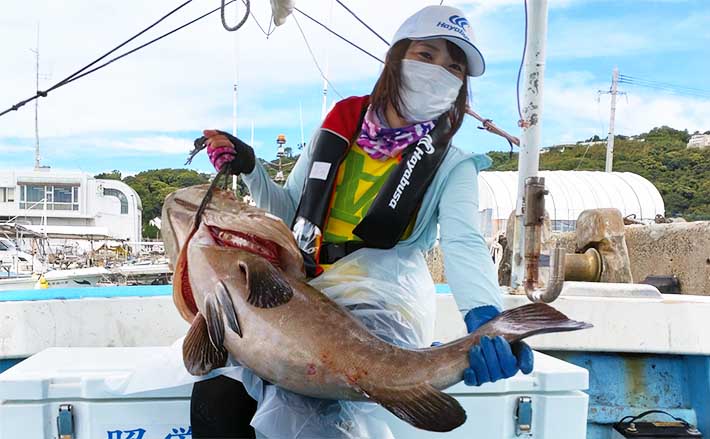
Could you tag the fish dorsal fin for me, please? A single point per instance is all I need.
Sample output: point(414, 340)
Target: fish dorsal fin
point(265, 283)
point(198, 353)
point(421, 405)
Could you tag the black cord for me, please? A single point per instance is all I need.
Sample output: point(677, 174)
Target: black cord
point(338, 35)
point(362, 22)
point(73, 77)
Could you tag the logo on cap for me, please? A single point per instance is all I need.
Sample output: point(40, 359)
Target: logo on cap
point(459, 25)
point(459, 21)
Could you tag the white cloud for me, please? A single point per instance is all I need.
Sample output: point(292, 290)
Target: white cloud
point(572, 110)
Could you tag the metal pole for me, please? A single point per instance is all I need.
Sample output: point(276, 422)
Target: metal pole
point(612, 116)
point(234, 99)
point(529, 157)
point(36, 52)
point(324, 107)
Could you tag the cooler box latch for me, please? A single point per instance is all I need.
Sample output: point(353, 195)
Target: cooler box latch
point(523, 417)
point(65, 422)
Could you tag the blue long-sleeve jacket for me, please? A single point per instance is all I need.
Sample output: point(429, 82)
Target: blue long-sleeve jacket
point(451, 201)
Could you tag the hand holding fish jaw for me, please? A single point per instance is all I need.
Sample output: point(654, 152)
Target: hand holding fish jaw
point(223, 149)
point(494, 358)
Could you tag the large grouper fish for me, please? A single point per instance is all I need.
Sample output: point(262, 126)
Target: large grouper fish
point(239, 281)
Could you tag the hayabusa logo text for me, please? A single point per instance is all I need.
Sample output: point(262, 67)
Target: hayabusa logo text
point(416, 156)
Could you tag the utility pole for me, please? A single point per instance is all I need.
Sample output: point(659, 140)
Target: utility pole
point(610, 138)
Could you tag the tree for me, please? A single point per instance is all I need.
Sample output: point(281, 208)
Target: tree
point(113, 175)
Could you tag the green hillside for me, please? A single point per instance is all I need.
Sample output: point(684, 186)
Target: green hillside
point(682, 175)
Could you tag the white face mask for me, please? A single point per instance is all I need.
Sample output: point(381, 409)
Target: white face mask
point(428, 90)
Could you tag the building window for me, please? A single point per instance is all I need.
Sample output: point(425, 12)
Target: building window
point(121, 197)
point(7, 194)
point(56, 197)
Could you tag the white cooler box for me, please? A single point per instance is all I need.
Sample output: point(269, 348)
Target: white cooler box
point(38, 392)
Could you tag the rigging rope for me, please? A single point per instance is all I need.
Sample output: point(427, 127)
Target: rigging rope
point(316, 61)
point(81, 72)
point(362, 22)
point(338, 35)
point(247, 4)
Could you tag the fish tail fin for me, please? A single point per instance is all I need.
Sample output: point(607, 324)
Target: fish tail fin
point(527, 320)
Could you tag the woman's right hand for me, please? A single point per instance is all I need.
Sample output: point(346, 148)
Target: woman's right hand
point(223, 149)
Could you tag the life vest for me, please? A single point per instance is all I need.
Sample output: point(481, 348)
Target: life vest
point(395, 204)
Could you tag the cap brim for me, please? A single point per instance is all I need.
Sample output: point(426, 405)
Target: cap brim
point(476, 63)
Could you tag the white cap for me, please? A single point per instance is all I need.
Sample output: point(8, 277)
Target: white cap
point(443, 22)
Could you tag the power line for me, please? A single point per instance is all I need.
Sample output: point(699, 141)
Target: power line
point(664, 86)
point(81, 72)
point(362, 22)
point(338, 35)
point(315, 61)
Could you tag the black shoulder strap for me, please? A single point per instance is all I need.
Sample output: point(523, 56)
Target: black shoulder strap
point(400, 196)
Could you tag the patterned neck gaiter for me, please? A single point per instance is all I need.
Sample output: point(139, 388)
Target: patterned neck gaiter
point(380, 142)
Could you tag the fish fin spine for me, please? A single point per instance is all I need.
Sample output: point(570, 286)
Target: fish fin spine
point(198, 353)
point(227, 307)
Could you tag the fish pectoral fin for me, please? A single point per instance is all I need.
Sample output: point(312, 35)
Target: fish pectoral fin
point(198, 353)
point(227, 307)
point(422, 405)
point(265, 283)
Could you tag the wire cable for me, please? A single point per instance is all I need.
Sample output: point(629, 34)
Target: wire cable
point(362, 22)
point(261, 28)
point(81, 73)
point(315, 61)
point(338, 35)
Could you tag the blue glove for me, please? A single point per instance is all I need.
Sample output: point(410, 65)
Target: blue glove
point(494, 358)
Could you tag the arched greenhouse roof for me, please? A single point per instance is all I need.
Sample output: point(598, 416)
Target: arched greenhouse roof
point(571, 192)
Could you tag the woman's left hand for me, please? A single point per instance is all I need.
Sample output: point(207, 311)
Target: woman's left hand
point(494, 358)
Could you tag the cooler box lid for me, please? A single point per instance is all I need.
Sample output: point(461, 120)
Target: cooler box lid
point(81, 373)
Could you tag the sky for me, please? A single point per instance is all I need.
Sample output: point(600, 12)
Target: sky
point(143, 111)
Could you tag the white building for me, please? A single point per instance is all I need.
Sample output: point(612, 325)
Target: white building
point(70, 202)
point(570, 192)
point(699, 141)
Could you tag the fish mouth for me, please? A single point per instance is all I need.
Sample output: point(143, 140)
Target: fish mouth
point(248, 242)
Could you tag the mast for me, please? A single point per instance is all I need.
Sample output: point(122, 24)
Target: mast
point(529, 157)
point(324, 107)
point(36, 52)
point(235, 94)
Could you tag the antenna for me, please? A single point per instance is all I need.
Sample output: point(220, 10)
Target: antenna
point(36, 52)
point(324, 107)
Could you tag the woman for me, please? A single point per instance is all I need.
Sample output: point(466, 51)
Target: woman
point(364, 201)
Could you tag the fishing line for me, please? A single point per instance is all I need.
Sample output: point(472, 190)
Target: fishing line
point(78, 74)
point(362, 22)
point(338, 35)
point(315, 61)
